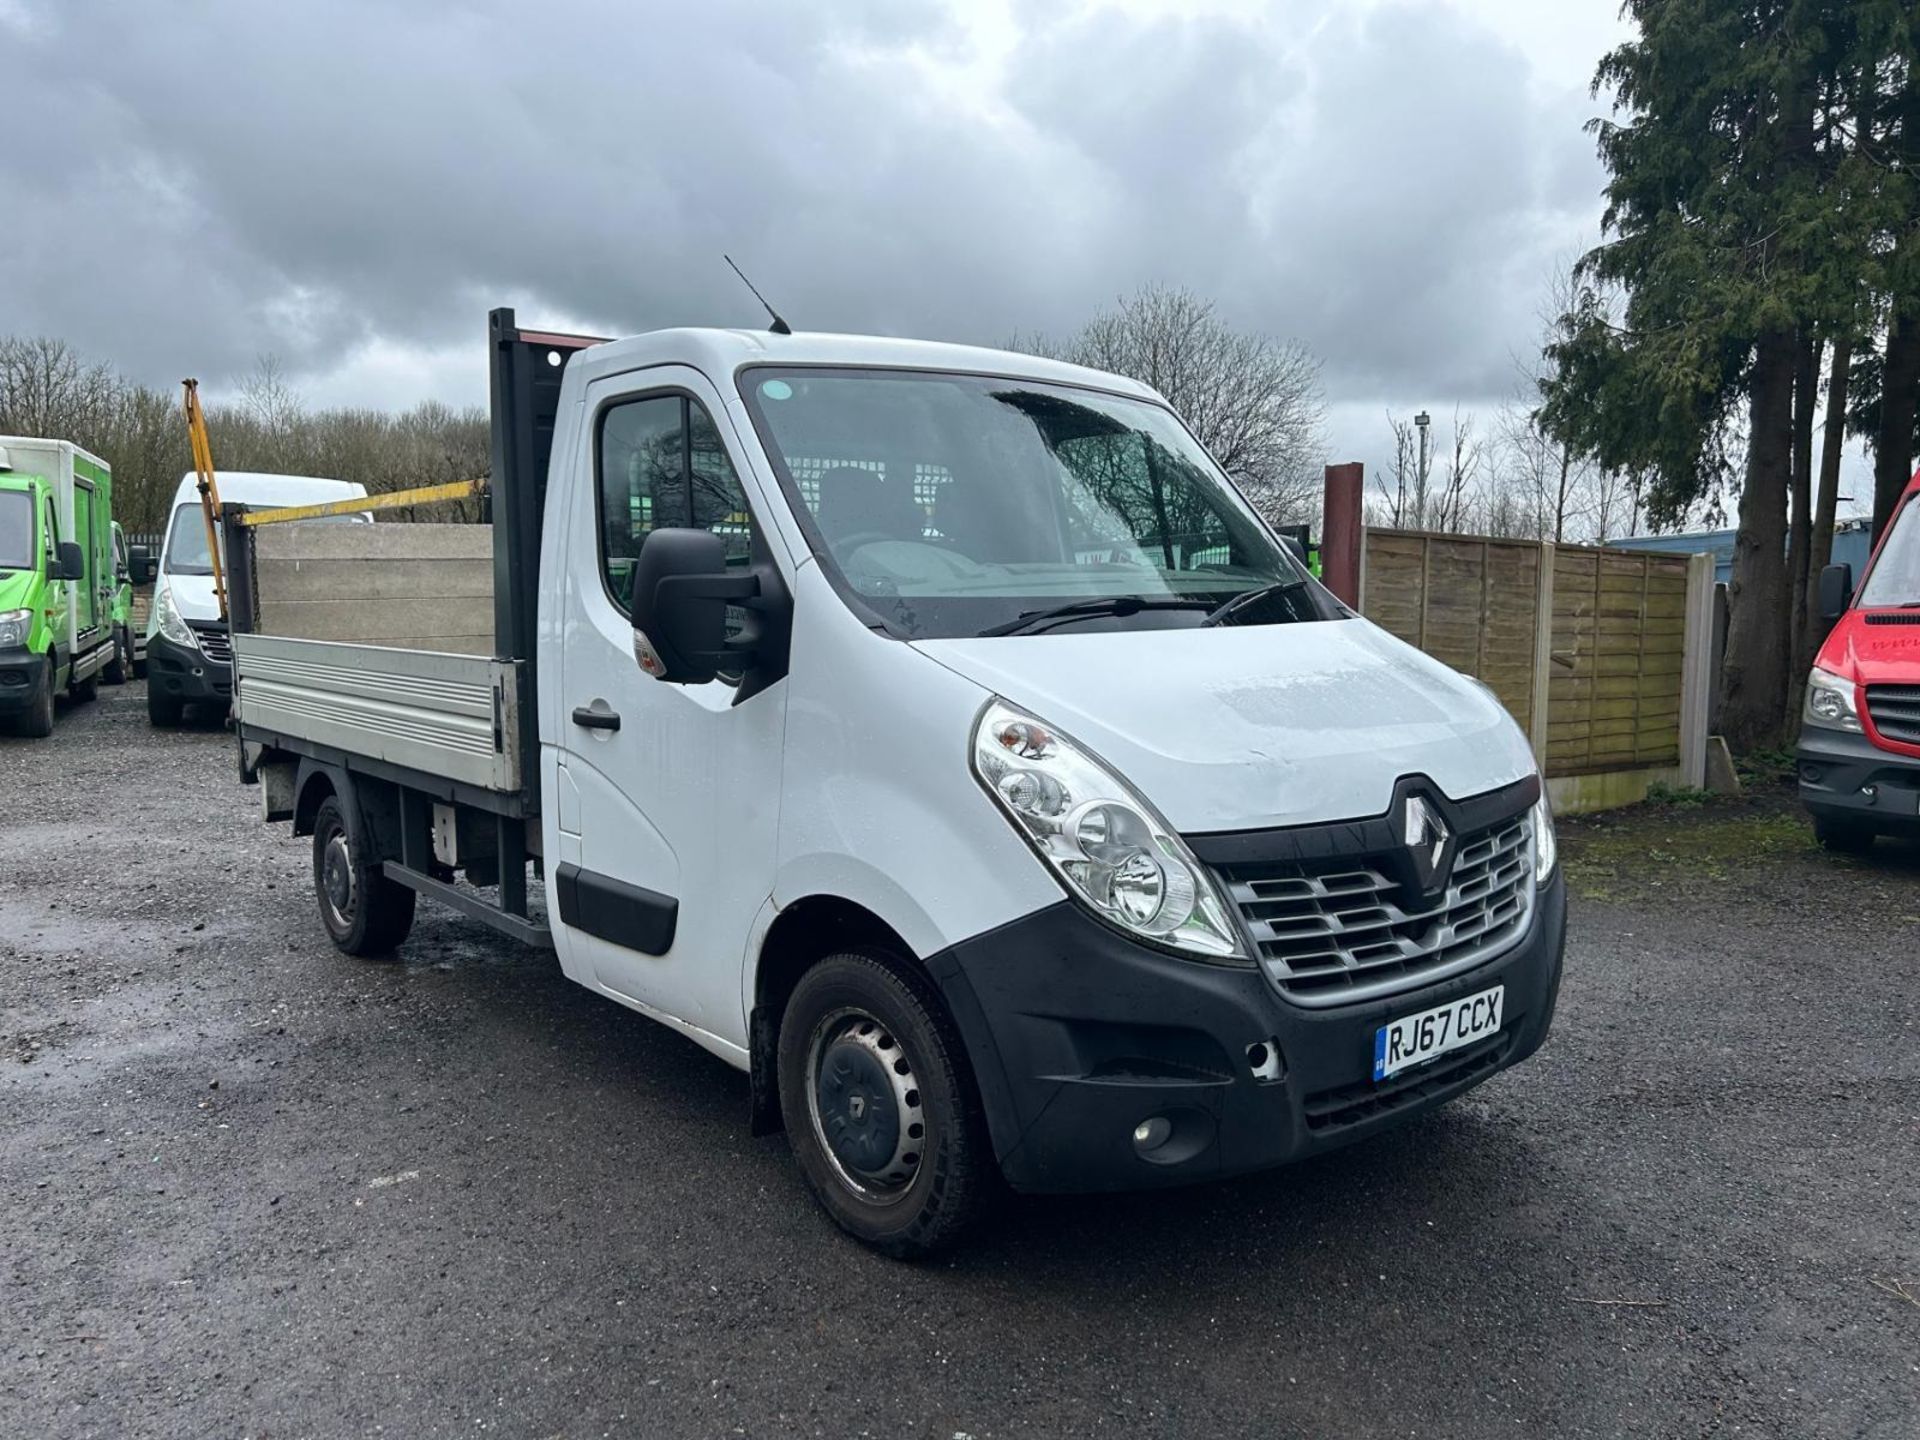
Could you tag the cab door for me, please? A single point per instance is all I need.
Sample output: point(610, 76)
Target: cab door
point(59, 608)
point(669, 794)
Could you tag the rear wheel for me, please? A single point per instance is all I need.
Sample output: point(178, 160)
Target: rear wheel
point(1843, 837)
point(36, 721)
point(364, 912)
point(163, 711)
point(118, 669)
point(880, 1106)
point(87, 689)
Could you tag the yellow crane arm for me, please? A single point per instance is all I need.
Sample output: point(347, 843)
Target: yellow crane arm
point(209, 490)
point(361, 504)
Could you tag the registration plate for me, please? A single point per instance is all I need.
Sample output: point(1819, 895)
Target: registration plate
point(1416, 1039)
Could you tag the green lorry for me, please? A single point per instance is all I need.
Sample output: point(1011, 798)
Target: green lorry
point(57, 577)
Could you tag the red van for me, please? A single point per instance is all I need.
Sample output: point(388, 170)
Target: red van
point(1860, 728)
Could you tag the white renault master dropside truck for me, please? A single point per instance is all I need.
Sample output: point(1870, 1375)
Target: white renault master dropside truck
point(938, 736)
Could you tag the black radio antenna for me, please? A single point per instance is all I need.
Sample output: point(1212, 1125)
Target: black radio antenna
point(779, 326)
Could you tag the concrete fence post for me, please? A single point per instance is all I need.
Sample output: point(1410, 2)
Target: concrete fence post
point(1539, 707)
point(1341, 531)
point(1697, 672)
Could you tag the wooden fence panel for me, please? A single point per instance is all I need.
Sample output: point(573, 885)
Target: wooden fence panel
point(1619, 640)
point(1467, 601)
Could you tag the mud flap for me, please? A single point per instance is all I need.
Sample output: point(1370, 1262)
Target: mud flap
point(763, 1080)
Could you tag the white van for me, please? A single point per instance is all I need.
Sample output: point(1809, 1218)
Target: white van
point(189, 657)
point(936, 735)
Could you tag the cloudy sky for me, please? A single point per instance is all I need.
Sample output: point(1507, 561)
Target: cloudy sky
point(349, 185)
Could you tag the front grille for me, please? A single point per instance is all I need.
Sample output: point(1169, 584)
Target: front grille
point(1893, 617)
point(1336, 930)
point(215, 643)
point(1353, 1104)
point(1896, 711)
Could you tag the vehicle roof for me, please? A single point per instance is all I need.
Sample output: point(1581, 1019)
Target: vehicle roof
point(718, 353)
point(30, 443)
point(252, 487)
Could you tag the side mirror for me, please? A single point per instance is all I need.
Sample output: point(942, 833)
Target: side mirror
point(681, 590)
point(140, 567)
point(1836, 590)
point(1292, 542)
point(72, 561)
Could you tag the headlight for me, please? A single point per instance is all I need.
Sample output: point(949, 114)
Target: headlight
point(14, 626)
point(1546, 847)
point(1830, 702)
point(1100, 836)
point(166, 619)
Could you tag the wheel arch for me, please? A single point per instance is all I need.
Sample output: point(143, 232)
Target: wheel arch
point(372, 806)
point(802, 934)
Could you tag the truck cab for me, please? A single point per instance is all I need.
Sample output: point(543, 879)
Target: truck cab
point(937, 735)
point(56, 630)
point(1859, 750)
point(187, 653)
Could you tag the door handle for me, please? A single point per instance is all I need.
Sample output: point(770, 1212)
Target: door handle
point(587, 718)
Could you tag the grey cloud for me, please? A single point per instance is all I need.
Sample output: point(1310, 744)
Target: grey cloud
point(228, 178)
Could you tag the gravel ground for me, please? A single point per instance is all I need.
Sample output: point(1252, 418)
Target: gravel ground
point(253, 1187)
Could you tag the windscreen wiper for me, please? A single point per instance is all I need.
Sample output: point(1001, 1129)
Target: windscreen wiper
point(1033, 621)
point(1249, 597)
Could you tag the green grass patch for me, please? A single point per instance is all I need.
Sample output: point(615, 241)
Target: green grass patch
point(1679, 849)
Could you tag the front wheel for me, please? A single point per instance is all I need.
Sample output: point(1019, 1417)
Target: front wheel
point(1843, 837)
point(880, 1107)
point(37, 722)
point(364, 912)
point(163, 711)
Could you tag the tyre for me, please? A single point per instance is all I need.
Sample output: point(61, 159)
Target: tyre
point(364, 912)
point(163, 711)
point(880, 1106)
point(87, 689)
point(118, 670)
point(36, 721)
point(1843, 837)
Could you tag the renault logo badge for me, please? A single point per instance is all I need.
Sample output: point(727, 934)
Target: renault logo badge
point(1426, 835)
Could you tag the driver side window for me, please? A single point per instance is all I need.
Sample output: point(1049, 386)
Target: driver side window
point(660, 463)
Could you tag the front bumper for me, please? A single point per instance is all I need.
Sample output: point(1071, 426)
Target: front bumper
point(1078, 1035)
point(184, 673)
point(1846, 777)
point(22, 673)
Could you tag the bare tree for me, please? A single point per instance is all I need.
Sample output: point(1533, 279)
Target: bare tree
point(1255, 403)
point(268, 397)
point(1412, 500)
point(46, 389)
point(1404, 500)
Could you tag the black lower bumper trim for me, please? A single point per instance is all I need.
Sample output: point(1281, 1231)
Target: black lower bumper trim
point(1847, 778)
point(181, 672)
point(22, 673)
point(1080, 1038)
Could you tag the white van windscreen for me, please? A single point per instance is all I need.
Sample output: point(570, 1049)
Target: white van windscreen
point(954, 505)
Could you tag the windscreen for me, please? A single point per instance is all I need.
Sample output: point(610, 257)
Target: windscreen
point(1895, 578)
point(186, 549)
point(187, 542)
point(951, 505)
point(16, 530)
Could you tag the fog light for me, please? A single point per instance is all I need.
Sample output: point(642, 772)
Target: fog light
point(1149, 1135)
